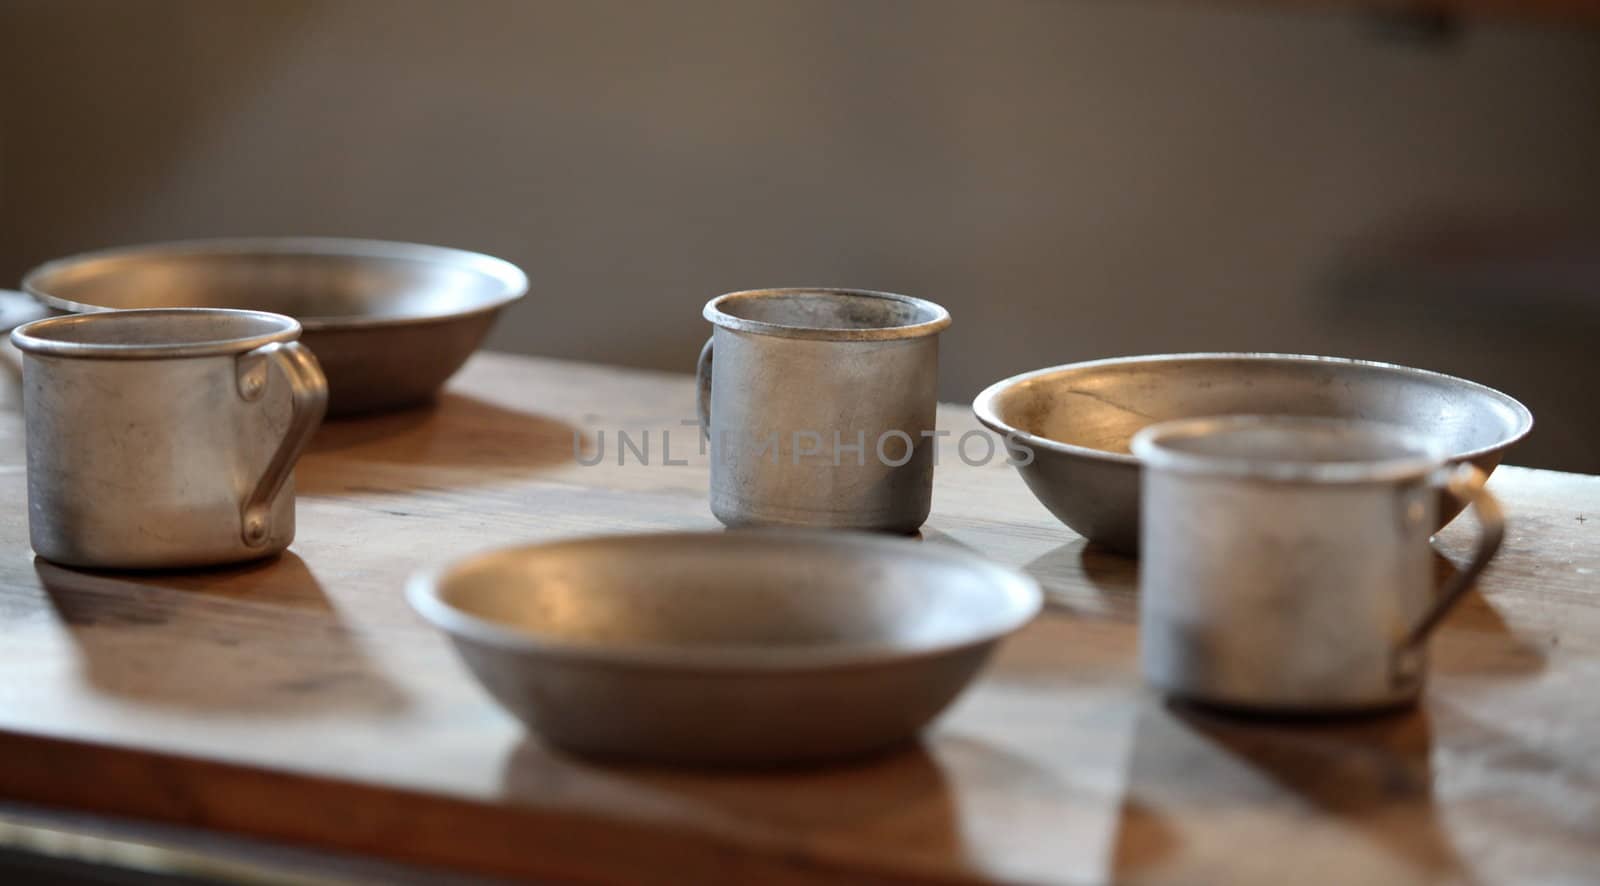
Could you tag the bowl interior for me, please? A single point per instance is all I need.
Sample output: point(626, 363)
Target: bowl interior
point(306, 279)
point(1100, 406)
point(732, 592)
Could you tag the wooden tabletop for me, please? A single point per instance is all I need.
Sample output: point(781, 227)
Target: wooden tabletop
point(301, 700)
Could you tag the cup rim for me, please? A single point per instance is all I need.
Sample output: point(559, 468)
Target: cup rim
point(1150, 447)
point(940, 318)
point(31, 338)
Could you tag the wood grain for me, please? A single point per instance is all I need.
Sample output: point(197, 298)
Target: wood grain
point(301, 700)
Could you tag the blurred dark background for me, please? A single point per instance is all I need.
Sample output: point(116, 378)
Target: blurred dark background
point(1072, 178)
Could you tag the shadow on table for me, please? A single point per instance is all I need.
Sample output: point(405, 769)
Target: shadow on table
point(259, 638)
point(1112, 579)
point(1495, 650)
point(893, 811)
point(1233, 793)
point(455, 432)
point(937, 536)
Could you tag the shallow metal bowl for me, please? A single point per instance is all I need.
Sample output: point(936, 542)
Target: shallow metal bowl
point(1079, 418)
point(389, 322)
point(751, 647)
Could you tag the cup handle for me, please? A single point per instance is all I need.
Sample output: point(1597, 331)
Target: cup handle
point(308, 397)
point(1467, 484)
point(702, 373)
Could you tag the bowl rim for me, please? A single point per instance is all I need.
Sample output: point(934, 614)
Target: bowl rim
point(983, 406)
point(514, 282)
point(1022, 596)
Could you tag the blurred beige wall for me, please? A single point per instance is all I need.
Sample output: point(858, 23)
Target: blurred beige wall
point(1072, 179)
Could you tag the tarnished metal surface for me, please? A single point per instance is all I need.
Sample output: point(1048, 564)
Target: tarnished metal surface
point(819, 405)
point(726, 648)
point(389, 322)
point(1285, 561)
point(165, 438)
point(1078, 419)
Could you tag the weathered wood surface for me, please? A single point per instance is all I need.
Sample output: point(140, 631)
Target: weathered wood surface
point(301, 700)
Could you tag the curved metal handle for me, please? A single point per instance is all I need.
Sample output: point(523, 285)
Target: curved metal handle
point(1466, 483)
point(702, 372)
point(308, 397)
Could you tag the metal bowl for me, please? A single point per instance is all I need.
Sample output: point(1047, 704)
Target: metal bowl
point(390, 322)
point(751, 647)
point(1078, 419)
